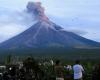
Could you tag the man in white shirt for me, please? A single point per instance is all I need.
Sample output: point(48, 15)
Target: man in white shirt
point(78, 70)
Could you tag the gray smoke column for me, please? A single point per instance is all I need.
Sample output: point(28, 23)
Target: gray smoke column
point(37, 10)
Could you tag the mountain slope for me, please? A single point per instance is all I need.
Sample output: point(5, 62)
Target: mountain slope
point(45, 34)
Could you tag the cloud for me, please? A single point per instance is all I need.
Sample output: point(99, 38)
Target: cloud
point(14, 22)
point(8, 31)
point(11, 16)
point(79, 32)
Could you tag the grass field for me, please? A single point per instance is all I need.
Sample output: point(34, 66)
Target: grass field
point(66, 54)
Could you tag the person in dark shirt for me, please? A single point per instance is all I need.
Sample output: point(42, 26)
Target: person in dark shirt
point(96, 72)
point(59, 71)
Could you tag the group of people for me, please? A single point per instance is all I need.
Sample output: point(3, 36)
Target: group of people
point(76, 72)
point(31, 70)
point(77, 69)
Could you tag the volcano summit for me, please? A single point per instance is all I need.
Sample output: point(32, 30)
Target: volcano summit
point(46, 34)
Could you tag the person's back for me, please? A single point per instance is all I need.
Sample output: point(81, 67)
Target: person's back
point(96, 72)
point(59, 71)
point(78, 69)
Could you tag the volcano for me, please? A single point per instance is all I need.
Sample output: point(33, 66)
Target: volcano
point(46, 34)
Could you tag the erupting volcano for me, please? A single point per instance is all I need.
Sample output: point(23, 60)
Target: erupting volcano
point(44, 34)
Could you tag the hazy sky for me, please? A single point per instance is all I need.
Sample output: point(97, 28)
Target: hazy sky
point(79, 16)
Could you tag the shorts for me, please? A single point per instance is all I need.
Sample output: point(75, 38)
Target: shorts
point(59, 78)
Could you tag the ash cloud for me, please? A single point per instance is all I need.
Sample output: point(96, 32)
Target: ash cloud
point(37, 10)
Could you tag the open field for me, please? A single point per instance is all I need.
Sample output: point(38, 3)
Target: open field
point(69, 54)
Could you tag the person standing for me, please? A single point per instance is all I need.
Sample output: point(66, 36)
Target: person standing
point(68, 69)
point(59, 71)
point(96, 72)
point(78, 71)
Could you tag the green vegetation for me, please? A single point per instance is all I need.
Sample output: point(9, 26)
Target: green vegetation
point(87, 57)
point(68, 54)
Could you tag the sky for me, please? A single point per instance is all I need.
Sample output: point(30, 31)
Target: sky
point(79, 16)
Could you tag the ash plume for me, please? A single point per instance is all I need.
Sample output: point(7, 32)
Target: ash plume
point(37, 10)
